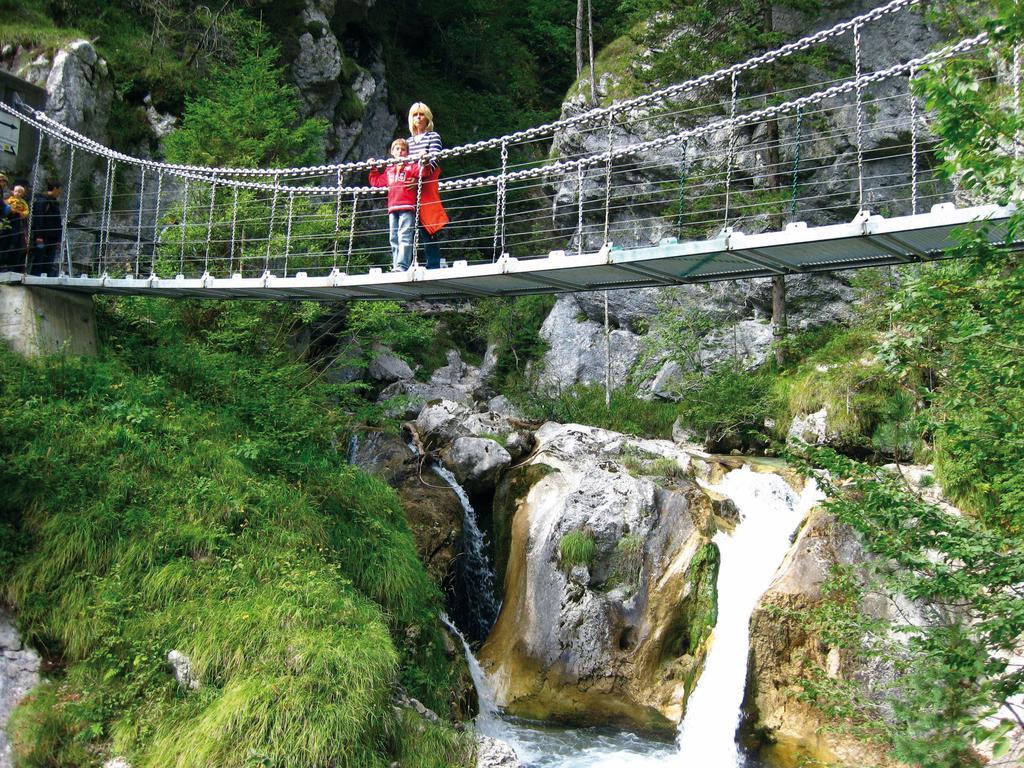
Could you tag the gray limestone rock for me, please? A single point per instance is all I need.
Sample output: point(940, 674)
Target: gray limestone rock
point(476, 461)
point(388, 367)
point(19, 673)
point(586, 642)
point(577, 351)
point(494, 753)
point(181, 666)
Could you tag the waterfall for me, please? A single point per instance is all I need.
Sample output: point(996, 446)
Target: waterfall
point(353, 447)
point(488, 708)
point(474, 567)
point(769, 513)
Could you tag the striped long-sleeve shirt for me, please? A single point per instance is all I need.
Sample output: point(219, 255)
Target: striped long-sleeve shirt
point(425, 143)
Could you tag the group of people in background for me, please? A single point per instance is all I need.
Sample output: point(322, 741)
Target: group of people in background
point(413, 195)
point(31, 241)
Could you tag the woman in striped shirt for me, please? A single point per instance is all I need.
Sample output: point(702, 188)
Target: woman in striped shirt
point(423, 139)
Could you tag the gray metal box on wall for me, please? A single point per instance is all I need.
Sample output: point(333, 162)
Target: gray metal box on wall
point(18, 141)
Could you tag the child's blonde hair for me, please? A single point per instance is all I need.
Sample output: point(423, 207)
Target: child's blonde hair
point(402, 143)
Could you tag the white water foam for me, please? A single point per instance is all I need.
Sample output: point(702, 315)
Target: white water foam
point(769, 513)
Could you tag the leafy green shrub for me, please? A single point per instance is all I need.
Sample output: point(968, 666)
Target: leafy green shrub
point(576, 548)
point(868, 408)
point(626, 413)
point(731, 403)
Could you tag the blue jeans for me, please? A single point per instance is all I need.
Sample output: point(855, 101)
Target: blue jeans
point(400, 227)
point(430, 248)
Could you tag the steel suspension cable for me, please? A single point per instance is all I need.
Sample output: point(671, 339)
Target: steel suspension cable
point(138, 229)
point(860, 117)
point(67, 211)
point(156, 223)
point(731, 147)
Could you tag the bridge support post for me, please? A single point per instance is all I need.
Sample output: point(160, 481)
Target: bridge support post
point(38, 321)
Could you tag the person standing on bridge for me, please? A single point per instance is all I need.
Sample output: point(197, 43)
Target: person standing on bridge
point(401, 181)
point(44, 238)
point(424, 140)
point(17, 217)
point(8, 220)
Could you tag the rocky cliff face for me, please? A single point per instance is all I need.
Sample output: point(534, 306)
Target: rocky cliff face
point(342, 80)
point(784, 652)
point(620, 636)
point(19, 673)
point(574, 330)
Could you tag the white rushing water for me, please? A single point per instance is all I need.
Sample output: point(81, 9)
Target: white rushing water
point(474, 566)
point(769, 513)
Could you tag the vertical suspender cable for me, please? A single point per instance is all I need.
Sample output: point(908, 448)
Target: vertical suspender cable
point(105, 231)
point(234, 225)
point(67, 212)
point(270, 228)
point(416, 219)
point(608, 182)
point(579, 211)
point(156, 223)
point(731, 148)
point(860, 117)
point(352, 233)
point(103, 218)
point(138, 222)
point(184, 219)
point(209, 227)
point(499, 206)
point(35, 191)
point(288, 231)
point(913, 141)
point(684, 174)
point(796, 163)
point(337, 219)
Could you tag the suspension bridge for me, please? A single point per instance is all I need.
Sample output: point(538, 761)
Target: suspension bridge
point(716, 178)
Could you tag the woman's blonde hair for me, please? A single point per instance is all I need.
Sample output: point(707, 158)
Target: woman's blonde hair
point(419, 106)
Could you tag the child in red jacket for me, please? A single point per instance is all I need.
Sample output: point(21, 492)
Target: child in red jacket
point(401, 181)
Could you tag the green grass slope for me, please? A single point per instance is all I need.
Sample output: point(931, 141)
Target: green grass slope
point(183, 491)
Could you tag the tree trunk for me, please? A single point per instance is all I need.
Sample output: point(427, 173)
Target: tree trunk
point(779, 315)
point(775, 180)
point(590, 37)
point(580, 20)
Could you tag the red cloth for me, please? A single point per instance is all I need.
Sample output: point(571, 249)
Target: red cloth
point(432, 214)
point(401, 181)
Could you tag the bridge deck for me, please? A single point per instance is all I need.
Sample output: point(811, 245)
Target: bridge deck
point(867, 241)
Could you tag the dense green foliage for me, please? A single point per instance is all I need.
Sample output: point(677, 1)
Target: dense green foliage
point(246, 115)
point(625, 412)
point(434, 52)
point(957, 339)
point(690, 39)
point(185, 492)
point(193, 500)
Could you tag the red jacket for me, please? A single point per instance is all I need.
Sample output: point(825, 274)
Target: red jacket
point(432, 213)
point(401, 181)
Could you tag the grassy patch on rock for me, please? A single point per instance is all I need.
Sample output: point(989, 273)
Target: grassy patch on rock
point(183, 492)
